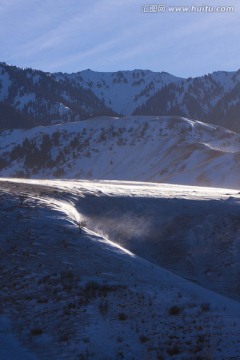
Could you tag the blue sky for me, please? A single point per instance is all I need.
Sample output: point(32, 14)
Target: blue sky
point(111, 35)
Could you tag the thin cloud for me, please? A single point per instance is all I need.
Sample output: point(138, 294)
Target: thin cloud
point(111, 34)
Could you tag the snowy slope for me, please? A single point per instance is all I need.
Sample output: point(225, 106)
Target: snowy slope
point(71, 295)
point(212, 98)
point(122, 91)
point(31, 97)
point(162, 149)
point(127, 91)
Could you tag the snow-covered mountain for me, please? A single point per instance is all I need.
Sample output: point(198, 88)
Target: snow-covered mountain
point(160, 149)
point(122, 91)
point(213, 98)
point(30, 97)
point(67, 294)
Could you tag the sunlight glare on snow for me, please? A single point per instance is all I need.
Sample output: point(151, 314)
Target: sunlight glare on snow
point(65, 207)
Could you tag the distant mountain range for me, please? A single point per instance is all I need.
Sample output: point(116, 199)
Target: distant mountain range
point(138, 148)
point(29, 98)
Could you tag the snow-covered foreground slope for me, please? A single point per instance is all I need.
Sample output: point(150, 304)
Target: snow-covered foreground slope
point(72, 295)
point(162, 149)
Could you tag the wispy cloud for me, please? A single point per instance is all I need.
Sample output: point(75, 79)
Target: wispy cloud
point(73, 34)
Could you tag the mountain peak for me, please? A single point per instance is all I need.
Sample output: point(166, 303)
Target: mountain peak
point(39, 97)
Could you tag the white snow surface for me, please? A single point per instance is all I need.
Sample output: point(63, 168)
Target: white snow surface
point(126, 91)
point(22, 101)
point(122, 91)
point(135, 308)
point(136, 148)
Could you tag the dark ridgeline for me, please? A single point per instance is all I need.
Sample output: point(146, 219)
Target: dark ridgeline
point(48, 100)
point(30, 97)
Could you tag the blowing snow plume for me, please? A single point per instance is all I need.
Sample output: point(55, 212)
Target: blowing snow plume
point(191, 231)
point(194, 237)
point(117, 219)
point(121, 228)
point(76, 296)
point(67, 208)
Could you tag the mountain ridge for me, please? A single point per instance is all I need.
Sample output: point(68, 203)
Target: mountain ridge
point(31, 97)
